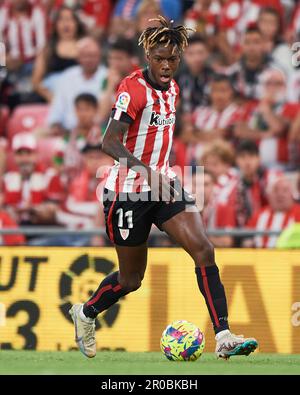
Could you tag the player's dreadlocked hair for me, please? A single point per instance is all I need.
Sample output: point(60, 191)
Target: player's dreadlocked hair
point(164, 34)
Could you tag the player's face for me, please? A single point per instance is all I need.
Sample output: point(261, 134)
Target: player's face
point(163, 63)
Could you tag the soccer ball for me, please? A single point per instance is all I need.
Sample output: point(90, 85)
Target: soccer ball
point(182, 341)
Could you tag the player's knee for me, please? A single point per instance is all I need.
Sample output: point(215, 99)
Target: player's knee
point(205, 254)
point(131, 283)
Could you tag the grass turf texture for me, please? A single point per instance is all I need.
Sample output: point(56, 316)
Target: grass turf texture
point(73, 362)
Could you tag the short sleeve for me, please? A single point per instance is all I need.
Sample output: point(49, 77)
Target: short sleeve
point(130, 100)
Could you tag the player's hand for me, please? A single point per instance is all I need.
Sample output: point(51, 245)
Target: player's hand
point(161, 187)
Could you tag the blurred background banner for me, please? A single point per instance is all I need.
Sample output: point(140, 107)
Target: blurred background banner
point(39, 285)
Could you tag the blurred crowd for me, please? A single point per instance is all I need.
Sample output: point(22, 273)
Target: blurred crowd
point(238, 115)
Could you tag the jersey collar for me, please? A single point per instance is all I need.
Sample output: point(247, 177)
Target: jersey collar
point(153, 84)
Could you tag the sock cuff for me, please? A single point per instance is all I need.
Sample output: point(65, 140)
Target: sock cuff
point(85, 317)
point(207, 270)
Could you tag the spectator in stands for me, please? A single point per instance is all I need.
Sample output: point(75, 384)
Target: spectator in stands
point(281, 212)
point(269, 121)
point(146, 11)
point(247, 193)
point(270, 26)
point(86, 130)
point(230, 29)
point(23, 31)
point(87, 77)
point(293, 30)
point(194, 75)
point(30, 192)
point(214, 215)
point(224, 22)
point(298, 187)
point(3, 149)
point(60, 53)
point(203, 17)
point(6, 221)
point(95, 14)
point(218, 159)
point(123, 22)
point(82, 207)
point(120, 59)
point(294, 144)
point(294, 77)
point(214, 121)
point(125, 14)
point(254, 61)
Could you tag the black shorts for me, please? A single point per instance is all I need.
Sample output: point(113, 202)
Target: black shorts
point(129, 216)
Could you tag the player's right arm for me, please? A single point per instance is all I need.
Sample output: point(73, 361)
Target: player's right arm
point(112, 145)
point(131, 100)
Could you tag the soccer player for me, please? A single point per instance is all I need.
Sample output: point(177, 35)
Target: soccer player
point(141, 190)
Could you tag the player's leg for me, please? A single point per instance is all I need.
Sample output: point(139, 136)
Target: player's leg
point(187, 230)
point(132, 266)
point(128, 223)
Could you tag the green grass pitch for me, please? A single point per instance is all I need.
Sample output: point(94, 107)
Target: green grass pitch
point(73, 362)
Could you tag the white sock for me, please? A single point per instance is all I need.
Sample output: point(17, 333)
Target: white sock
point(84, 317)
point(222, 333)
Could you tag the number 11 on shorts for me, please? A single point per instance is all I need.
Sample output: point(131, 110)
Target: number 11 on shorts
point(127, 215)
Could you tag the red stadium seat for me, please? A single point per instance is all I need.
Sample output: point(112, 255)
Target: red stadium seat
point(49, 147)
point(27, 118)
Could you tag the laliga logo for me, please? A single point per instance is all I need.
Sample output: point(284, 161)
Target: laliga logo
point(78, 283)
point(124, 99)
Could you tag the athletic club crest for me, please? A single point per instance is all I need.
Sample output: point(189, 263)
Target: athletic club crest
point(124, 233)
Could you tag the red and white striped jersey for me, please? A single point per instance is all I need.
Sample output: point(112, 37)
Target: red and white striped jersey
point(42, 185)
point(24, 36)
point(206, 118)
point(151, 114)
point(268, 219)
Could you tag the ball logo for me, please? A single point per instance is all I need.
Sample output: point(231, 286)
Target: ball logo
point(123, 101)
